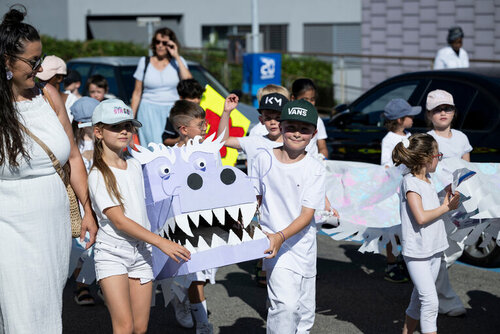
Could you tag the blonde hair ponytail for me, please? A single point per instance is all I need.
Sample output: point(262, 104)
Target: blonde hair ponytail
point(109, 177)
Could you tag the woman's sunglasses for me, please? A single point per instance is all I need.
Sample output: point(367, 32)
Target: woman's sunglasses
point(35, 64)
point(158, 42)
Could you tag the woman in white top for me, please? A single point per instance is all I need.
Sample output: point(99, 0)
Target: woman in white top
point(35, 235)
point(452, 143)
point(452, 56)
point(156, 85)
point(423, 237)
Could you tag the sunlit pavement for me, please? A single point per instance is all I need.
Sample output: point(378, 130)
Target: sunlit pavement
point(352, 297)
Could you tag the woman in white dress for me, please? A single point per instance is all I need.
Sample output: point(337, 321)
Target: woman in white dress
point(35, 236)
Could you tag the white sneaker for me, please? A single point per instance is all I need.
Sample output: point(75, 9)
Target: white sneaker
point(458, 312)
point(204, 328)
point(183, 313)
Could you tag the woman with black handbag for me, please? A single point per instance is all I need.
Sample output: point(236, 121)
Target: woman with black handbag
point(35, 142)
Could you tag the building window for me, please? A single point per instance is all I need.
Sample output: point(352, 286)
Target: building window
point(275, 35)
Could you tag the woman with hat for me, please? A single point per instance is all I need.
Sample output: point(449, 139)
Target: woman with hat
point(452, 56)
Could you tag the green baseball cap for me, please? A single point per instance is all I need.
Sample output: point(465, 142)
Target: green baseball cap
point(300, 110)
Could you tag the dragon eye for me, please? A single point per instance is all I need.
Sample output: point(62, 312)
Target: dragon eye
point(200, 164)
point(164, 171)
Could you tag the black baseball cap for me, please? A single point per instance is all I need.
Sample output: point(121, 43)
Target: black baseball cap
point(273, 101)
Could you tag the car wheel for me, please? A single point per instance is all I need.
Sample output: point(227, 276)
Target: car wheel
point(488, 256)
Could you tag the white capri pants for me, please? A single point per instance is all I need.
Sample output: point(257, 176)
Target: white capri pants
point(424, 302)
point(292, 300)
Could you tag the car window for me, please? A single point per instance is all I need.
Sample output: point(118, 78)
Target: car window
point(128, 80)
point(204, 77)
point(482, 114)
point(369, 111)
point(108, 72)
point(84, 70)
point(462, 92)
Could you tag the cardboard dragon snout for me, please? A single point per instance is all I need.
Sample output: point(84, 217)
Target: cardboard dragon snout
point(193, 200)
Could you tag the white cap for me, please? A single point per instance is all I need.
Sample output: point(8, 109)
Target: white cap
point(51, 66)
point(113, 111)
point(438, 97)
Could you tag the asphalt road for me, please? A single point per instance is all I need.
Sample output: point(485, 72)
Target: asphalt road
point(352, 297)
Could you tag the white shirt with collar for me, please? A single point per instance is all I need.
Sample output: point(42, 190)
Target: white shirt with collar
point(448, 58)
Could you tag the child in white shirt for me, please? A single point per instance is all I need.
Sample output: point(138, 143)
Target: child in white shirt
point(122, 256)
point(291, 185)
point(452, 143)
point(270, 107)
point(398, 116)
point(423, 236)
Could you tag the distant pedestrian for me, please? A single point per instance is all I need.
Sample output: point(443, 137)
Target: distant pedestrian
point(423, 236)
point(156, 80)
point(452, 56)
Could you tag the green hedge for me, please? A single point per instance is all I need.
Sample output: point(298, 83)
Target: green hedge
point(231, 75)
point(93, 48)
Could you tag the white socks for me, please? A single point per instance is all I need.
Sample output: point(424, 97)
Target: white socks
point(200, 312)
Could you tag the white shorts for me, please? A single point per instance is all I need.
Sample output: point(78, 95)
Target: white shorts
point(122, 257)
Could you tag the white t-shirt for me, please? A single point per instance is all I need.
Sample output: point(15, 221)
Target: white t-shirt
point(455, 146)
point(131, 187)
point(160, 87)
point(86, 145)
point(253, 145)
point(447, 58)
point(390, 141)
point(285, 189)
point(72, 98)
point(420, 241)
point(260, 130)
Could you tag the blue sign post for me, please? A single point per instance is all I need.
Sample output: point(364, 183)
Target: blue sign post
point(259, 70)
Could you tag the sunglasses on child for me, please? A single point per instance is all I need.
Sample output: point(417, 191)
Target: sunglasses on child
point(439, 156)
point(446, 109)
point(34, 63)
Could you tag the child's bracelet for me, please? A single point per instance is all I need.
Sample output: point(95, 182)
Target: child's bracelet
point(282, 235)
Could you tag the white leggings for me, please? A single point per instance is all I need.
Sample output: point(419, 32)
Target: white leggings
point(424, 302)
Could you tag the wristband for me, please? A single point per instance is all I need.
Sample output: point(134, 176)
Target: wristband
point(282, 235)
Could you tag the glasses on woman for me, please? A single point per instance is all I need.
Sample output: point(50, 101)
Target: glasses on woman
point(446, 109)
point(158, 42)
point(34, 63)
point(439, 156)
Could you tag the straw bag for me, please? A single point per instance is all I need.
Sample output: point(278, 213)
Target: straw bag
point(64, 173)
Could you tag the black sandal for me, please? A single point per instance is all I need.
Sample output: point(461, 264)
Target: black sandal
point(83, 297)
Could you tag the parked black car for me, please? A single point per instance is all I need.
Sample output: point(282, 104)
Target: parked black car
point(356, 130)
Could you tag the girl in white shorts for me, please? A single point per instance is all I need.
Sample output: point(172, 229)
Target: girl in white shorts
point(423, 234)
point(123, 245)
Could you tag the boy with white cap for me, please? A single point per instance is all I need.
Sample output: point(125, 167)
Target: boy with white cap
point(291, 186)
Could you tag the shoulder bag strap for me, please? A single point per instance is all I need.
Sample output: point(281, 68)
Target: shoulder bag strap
point(55, 162)
point(146, 63)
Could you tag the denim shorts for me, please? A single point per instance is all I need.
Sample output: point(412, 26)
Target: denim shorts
point(123, 257)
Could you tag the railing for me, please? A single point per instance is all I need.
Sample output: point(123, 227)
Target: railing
point(351, 74)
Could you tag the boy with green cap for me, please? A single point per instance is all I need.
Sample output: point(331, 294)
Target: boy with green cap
point(291, 186)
